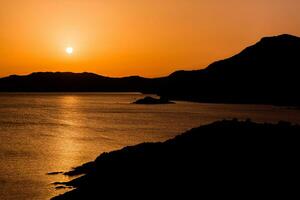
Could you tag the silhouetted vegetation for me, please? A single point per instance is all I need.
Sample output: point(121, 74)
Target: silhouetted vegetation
point(225, 159)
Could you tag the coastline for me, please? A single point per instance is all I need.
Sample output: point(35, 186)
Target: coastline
point(220, 156)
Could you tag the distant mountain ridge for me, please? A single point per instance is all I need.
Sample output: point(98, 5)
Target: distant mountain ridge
point(70, 82)
point(267, 72)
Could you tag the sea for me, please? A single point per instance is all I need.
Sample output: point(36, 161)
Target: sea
point(54, 132)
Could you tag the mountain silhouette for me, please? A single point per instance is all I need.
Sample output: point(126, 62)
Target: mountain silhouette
point(70, 82)
point(265, 73)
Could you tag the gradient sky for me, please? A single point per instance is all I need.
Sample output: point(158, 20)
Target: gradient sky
point(134, 37)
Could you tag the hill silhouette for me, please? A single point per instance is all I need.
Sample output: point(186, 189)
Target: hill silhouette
point(71, 82)
point(224, 159)
point(265, 73)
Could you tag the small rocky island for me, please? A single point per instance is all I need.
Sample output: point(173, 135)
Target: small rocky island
point(222, 159)
point(150, 100)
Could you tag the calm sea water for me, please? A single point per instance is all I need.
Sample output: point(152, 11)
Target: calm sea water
point(41, 133)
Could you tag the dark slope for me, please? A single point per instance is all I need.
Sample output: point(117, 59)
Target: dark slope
point(226, 158)
point(267, 72)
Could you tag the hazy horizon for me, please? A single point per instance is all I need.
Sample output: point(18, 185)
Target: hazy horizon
point(146, 38)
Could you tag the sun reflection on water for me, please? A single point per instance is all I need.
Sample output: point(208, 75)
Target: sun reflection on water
point(68, 147)
point(55, 132)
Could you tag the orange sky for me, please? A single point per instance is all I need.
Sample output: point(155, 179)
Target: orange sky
point(134, 37)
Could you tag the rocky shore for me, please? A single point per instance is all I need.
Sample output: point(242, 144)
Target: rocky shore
point(227, 158)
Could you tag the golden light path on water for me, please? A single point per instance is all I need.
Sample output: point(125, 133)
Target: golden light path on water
point(43, 133)
point(67, 146)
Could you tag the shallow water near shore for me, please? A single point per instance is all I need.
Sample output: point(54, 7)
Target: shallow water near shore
point(52, 132)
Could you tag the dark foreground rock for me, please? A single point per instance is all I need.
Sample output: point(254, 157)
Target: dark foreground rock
point(151, 100)
point(228, 159)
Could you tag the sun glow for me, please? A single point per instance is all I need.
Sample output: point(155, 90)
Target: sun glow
point(69, 50)
point(126, 38)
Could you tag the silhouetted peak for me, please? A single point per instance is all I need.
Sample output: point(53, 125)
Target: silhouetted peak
point(280, 43)
point(270, 53)
point(283, 37)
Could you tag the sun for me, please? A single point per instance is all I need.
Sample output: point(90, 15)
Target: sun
point(69, 50)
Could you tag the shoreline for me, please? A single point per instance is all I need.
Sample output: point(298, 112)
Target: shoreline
point(237, 152)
